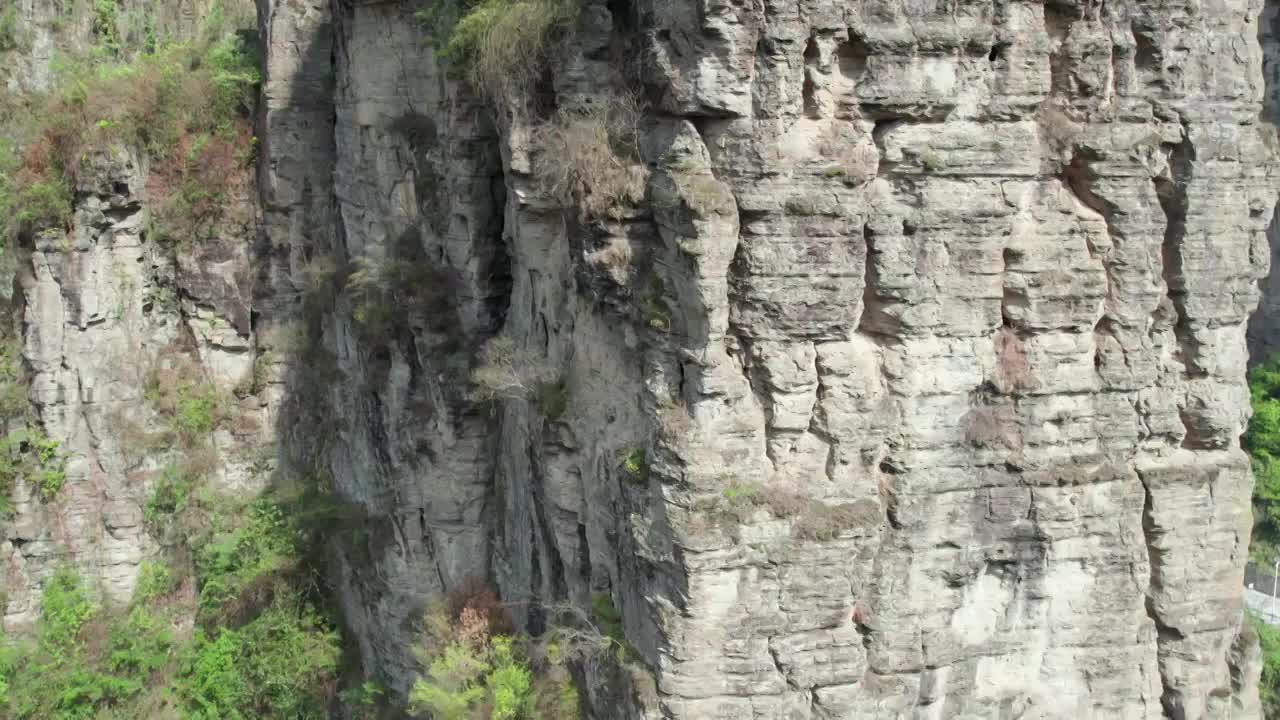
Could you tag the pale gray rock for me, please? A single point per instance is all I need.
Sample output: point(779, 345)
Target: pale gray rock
point(955, 294)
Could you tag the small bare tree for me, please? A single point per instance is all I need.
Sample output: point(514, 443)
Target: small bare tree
point(508, 372)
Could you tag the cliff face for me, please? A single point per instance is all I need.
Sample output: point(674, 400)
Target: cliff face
point(108, 319)
point(909, 383)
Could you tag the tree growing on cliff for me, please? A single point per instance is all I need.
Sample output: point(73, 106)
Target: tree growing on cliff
point(478, 668)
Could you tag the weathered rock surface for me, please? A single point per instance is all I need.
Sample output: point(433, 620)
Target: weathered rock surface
point(103, 309)
point(931, 332)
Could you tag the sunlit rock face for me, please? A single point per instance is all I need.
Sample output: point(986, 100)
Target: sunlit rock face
point(910, 386)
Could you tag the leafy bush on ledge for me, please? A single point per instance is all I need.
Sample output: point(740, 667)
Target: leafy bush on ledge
point(501, 45)
point(261, 647)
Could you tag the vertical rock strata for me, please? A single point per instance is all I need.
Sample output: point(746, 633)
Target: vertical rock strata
point(913, 388)
point(106, 313)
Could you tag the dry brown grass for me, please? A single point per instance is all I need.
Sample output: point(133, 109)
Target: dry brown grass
point(784, 502)
point(136, 442)
point(192, 188)
point(820, 521)
point(811, 519)
point(706, 195)
point(512, 42)
point(476, 595)
point(588, 158)
point(674, 422)
point(201, 461)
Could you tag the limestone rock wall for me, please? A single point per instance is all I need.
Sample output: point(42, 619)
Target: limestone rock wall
point(100, 310)
point(912, 388)
point(959, 290)
point(45, 29)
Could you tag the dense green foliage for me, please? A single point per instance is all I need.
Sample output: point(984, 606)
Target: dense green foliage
point(262, 648)
point(26, 453)
point(1262, 440)
point(1269, 687)
point(244, 569)
point(477, 669)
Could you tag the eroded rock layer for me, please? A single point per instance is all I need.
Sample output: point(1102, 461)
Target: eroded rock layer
point(911, 385)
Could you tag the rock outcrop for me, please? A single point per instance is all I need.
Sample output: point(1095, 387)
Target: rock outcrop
point(109, 317)
point(911, 385)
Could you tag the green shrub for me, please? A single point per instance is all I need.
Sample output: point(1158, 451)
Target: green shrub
point(234, 76)
point(140, 644)
point(365, 697)
point(503, 44)
point(155, 580)
point(49, 482)
point(178, 390)
point(241, 561)
point(1269, 687)
point(280, 665)
point(453, 686)
point(28, 453)
point(65, 607)
point(45, 203)
point(552, 399)
point(473, 672)
point(654, 309)
point(106, 31)
point(635, 464)
point(608, 619)
point(13, 382)
point(11, 657)
point(197, 414)
point(743, 495)
point(168, 498)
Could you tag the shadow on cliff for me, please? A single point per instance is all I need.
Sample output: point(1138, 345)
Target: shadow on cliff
point(381, 454)
point(1264, 325)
